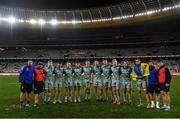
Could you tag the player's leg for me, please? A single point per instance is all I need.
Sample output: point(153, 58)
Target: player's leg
point(100, 90)
point(128, 92)
point(144, 86)
point(106, 90)
point(167, 101)
point(46, 85)
point(164, 99)
point(75, 93)
point(111, 93)
point(56, 93)
point(123, 91)
point(157, 96)
point(88, 90)
point(38, 89)
point(96, 90)
point(59, 94)
point(151, 95)
point(49, 91)
point(96, 93)
point(22, 99)
point(113, 85)
point(118, 92)
point(139, 89)
point(167, 98)
point(78, 92)
point(66, 91)
point(28, 92)
point(70, 90)
point(114, 94)
point(66, 94)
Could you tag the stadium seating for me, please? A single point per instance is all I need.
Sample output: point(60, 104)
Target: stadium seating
point(56, 53)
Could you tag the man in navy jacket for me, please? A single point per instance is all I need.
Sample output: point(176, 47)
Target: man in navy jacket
point(26, 81)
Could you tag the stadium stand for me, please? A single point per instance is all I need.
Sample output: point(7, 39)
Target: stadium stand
point(56, 53)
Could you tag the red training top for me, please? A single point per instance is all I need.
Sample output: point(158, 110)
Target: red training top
point(162, 75)
point(39, 74)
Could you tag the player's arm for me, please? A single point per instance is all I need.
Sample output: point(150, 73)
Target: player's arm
point(168, 77)
point(133, 74)
point(82, 73)
point(21, 75)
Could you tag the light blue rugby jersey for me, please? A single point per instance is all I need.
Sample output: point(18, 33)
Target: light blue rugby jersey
point(97, 72)
point(87, 71)
point(106, 70)
point(115, 72)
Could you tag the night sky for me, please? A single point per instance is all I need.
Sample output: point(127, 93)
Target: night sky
point(59, 4)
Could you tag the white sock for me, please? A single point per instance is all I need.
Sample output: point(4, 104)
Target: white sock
point(152, 102)
point(157, 103)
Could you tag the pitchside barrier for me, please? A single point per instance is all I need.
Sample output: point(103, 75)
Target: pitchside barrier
point(15, 74)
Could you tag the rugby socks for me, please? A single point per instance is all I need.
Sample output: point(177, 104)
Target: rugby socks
point(45, 97)
point(48, 97)
point(88, 93)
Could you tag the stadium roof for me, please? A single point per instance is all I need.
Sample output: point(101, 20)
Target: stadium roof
point(59, 4)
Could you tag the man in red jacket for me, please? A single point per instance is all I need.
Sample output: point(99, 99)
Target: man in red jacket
point(39, 75)
point(164, 79)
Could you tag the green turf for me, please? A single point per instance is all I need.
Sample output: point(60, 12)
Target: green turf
point(9, 105)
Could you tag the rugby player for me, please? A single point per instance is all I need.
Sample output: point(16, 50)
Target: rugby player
point(77, 81)
point(68, 82)
point(48, 81)
point(97, 80)
point(106, 73)
point(115, 77)
point(125, 81)
point(58, 71)
point(140, 72)
point(88, 75)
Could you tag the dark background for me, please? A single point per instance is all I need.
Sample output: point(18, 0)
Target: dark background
point(59, 4)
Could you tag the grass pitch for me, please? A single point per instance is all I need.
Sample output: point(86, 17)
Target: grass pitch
point(9, 105)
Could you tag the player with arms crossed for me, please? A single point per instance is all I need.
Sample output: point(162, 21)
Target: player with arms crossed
point(68, 82)
point(58, 71)
point(87, 74)
point(97, 80)
point(125, 81)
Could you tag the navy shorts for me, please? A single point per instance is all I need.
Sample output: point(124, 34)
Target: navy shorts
point(153, 89)
point(38, 87)
point(26, 88)
point(163, 87)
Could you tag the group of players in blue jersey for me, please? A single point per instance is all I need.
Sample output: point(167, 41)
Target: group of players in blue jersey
point(153, 78)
